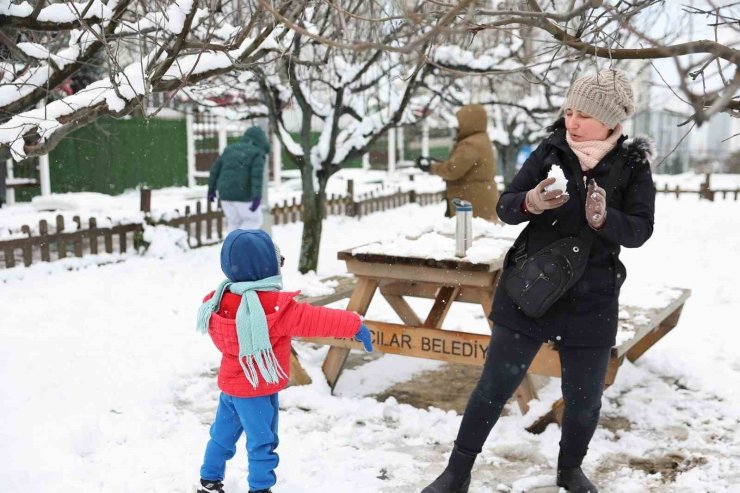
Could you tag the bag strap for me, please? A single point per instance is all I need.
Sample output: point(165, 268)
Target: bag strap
point(520, 254)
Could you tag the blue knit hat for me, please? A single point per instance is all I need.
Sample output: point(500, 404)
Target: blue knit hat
point(249, 255)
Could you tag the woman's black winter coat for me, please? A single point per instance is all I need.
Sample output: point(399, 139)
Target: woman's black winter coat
point(586, 315)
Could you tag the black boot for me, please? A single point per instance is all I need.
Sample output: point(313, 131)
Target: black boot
point(456, 476)
point(573, 480)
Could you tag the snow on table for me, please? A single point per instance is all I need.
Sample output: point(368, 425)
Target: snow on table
point(437, 241)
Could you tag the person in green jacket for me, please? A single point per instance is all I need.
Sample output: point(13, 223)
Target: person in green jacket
point(237, 176)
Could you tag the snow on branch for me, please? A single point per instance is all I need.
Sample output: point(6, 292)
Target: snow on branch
point(55, 17)
point(111, 96)
point(27, 84)
point(165, 51)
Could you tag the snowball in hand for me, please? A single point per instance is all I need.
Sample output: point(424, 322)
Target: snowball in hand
point(560, 182)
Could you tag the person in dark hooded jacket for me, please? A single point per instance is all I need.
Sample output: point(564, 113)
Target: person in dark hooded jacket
point(237, 176)
point(586, 144)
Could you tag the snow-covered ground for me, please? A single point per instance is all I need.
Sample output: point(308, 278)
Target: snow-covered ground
point(107, 387)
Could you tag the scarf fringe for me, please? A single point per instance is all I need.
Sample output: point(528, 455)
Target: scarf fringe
point(204, 316)
point(268, 365)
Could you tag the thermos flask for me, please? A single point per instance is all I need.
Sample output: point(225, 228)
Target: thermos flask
point(464, 226)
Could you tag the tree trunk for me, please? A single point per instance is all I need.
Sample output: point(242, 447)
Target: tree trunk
point(313, 221)
point(311, 238)
point(509, 162)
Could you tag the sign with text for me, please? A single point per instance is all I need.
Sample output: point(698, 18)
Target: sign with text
point(421, 342)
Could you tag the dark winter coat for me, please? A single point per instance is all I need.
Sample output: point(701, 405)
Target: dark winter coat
point(238, 172)
point(586, 315)
point(470, 170)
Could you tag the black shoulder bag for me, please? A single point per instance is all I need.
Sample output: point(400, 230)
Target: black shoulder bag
point(535, 282)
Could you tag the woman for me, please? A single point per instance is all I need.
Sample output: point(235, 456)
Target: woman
point(582, 324)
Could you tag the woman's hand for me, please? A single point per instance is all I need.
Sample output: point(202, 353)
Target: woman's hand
point(595, 205)
point(537, 200)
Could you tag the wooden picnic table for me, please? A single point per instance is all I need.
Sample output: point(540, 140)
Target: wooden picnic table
point(397, 277)
point(452, 280)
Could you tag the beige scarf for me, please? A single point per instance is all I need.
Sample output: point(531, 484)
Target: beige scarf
point(590, 152)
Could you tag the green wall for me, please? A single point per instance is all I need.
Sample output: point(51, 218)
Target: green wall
point(112, 155)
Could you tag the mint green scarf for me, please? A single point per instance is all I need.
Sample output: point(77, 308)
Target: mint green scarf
point(255, 348)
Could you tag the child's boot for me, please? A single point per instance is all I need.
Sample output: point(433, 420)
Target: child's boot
point(456, 476)
point(211, 486)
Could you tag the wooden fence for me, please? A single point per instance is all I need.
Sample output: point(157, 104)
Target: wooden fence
point(210, 221)
point(204, 227)
point(702, 193)
point(378, 200)
point(705, 190)
point(46, 247)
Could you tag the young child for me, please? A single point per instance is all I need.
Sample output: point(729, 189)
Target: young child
point(251, 321)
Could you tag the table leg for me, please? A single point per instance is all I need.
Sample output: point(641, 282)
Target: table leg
point(402, 309)
point(442, 303)
point(525, 393)
point(298, 375)
point(358, 302)
point(486, 302)
point(554, 415)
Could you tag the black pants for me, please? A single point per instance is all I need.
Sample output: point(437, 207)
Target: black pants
point(509, 356)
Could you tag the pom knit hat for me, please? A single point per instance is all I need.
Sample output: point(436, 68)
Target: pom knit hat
point(606, 96)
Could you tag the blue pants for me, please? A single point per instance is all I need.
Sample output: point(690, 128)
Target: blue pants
point(258, 417)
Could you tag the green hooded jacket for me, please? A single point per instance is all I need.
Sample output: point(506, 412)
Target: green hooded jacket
point(238, 172)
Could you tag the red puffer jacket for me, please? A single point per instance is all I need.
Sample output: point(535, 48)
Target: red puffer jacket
point(286, 318)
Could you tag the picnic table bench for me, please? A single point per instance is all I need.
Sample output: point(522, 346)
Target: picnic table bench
point(447, 281)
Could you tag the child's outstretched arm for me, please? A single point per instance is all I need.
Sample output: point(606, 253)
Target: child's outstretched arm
point(305, 320)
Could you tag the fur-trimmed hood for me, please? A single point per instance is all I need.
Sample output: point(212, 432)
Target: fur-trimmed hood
point(640, 148)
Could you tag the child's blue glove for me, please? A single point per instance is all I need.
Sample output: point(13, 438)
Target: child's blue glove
point(363, 335)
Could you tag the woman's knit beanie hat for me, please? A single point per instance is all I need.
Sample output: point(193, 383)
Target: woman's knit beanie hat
point(606, 96)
